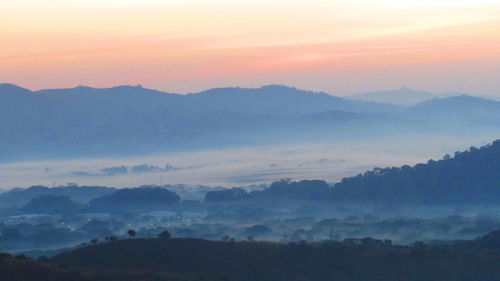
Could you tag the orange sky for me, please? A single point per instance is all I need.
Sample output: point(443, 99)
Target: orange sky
point(337, 46)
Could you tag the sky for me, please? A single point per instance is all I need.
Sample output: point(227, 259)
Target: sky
point(340, 47)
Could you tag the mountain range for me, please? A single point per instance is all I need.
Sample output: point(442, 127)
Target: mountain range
point(132, 120)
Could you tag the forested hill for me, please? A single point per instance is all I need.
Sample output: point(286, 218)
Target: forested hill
point(472, 176)
point(469, 177)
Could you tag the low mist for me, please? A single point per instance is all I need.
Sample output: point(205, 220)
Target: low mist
point(241, 166)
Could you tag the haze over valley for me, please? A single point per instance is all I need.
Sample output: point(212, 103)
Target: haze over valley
point(226, 136)
point(239, 166)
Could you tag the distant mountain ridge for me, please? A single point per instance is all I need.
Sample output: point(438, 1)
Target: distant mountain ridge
point(264, 100)
point(132, 120)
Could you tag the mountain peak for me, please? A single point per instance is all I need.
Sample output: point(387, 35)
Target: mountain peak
point(9, 86)
point(6, 88)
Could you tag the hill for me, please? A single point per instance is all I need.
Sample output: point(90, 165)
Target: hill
point(52, 204)
point(352, 259)
point(18, 197)
point(457, 111)
point(141, 198)
point(469, 177)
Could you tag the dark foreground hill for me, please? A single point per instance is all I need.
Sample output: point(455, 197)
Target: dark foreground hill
point(20, 268)
point(352, 259)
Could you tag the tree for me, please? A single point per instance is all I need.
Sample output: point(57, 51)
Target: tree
point(165, 235)
point(131, 233)
point(94, 241)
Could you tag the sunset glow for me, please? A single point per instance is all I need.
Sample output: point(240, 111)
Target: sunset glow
point(340, 46)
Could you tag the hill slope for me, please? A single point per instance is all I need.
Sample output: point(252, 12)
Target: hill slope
point(248, 261)
point(470, 177)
